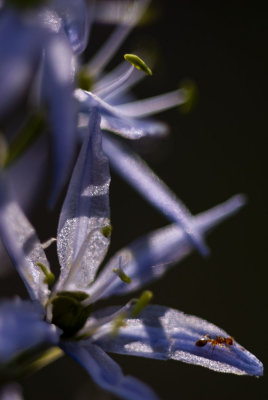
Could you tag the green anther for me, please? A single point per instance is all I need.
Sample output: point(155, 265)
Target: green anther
point(142, 302)
point(49, 276)
point(121, 274)
point(78, 295)
point(191, 93)
point(138, 63)
point(26, 4)
point(118, 322)
point(84, 80)
point(107, 231)
point(68, 313)
point(32, 129)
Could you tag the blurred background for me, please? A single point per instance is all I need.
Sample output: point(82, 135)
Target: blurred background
point(213, 152)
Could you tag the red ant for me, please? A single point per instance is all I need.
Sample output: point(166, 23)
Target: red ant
point(218, 341)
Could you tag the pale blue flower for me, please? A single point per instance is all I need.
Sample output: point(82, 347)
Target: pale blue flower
point(53, 20)
point(82, 242)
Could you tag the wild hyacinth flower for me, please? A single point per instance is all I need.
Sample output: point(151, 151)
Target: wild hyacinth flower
point(63, 314)
point(61, 18)
point(124, 120)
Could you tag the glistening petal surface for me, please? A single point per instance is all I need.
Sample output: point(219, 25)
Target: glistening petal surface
point(107, 373)
point(149, 257)
point(165, 333)
point(22, 244)
point(81, 244)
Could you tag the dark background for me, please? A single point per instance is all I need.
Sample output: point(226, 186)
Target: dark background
point(214, 152)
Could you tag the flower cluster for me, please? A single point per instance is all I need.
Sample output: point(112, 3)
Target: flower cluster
point(41, 77)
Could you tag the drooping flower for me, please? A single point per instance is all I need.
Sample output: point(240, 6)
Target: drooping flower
point(64, 313)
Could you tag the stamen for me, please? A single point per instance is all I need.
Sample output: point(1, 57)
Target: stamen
point(191, 95)
point(84, 80)
point(48, 243)
point(113, 43)
point(119, 322)
point(115, 84)
point(120, 273)
point(142, 302)
point(138, 63)
point(153, 105)
point(107, 231)
point(49, 276)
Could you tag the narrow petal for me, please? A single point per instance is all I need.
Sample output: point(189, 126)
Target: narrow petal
point(149, 257)
point(115, 121)
point(138, 174)
point(85, 212)
point(22, 244)
point(165, 333)
point(58, 93)
point(22, 327)
point(107, 373)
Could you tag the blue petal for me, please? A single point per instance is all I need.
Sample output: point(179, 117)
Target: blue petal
point(81, 244)
point(107, 373)
point(149, 257)
point(139, 175)
point(165, 333)
point(57, 92)
point(75, 20)
point(22, 244)
point(22, 327)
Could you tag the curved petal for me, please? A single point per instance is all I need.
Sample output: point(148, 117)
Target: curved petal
point(165, 333)
point(22, 327)
point(149, 257)
point(85, 212)
point(131, 168)
point(57, 91)
point(75, 18)
point(22, 244)
point(107, 373)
